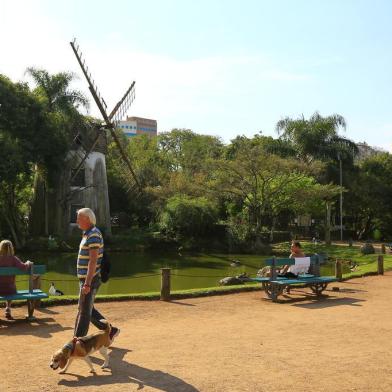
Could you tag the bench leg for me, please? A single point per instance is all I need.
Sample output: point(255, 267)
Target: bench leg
point(318, 288)
point(272, 290)
point(30, 309)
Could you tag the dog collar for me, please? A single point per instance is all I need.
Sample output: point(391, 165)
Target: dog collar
point(71, 345)
point(68, 346)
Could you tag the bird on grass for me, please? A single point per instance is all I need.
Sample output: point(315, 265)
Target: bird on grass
point(235, 263)
point(353, 266)
point(54, 291)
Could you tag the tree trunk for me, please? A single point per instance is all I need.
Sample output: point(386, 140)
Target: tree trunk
point(328, 223)
point(46, 197)
point(272, 229)
point(37, 220)
point(14, 231)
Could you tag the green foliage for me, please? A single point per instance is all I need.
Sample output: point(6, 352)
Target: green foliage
point(370, 197)
point(263, 185)
point(377, 235)
point(189, 217)
point(317, 138)
point(54, 92)
point(188, 151)
point(30, 136)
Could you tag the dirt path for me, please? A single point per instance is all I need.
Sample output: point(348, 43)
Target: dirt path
point(239, 342)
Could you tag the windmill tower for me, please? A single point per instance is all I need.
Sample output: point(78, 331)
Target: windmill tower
point(83, 180)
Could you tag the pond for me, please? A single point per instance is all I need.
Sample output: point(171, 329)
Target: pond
point(140, 272)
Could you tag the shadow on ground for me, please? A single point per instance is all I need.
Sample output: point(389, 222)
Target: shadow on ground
point(326, 302)
point(128, 373)
point(41, 328)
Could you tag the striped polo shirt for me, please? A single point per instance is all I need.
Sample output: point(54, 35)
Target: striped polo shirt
point(92, 239)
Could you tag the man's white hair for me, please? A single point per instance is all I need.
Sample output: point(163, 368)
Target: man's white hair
point(89, 213)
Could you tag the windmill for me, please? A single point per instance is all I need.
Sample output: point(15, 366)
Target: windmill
point(110, 123)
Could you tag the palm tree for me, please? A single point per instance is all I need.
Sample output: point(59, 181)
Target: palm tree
point(318, 138)
point(55, 90)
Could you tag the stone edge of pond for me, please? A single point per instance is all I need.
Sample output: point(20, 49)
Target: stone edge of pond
point(154, 296)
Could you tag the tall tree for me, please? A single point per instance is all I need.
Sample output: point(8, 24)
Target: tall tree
point(29, 136)
point(55, 93)
point(318, 137)
point(265, 185)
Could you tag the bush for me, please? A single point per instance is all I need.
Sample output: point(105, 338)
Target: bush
point(189, 217)
point(367, 249)
point(377, 235)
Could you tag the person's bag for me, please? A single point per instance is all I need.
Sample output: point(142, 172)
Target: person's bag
point(105, 267)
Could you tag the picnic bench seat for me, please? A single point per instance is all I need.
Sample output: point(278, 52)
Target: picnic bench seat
point(274, 284)
point(31, 295)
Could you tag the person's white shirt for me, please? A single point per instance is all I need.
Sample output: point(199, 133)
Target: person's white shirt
point(301, 265)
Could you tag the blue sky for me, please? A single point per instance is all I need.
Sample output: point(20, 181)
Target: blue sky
point(218, 67)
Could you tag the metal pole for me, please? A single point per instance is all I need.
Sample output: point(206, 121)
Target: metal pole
point(341, 198)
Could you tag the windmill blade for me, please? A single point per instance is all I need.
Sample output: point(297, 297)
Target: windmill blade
point(125, 102)
point(124, 156)
point(91, 84)
point(86, 155)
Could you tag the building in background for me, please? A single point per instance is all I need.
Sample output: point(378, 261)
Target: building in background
point(366, 151)
point(133, 126)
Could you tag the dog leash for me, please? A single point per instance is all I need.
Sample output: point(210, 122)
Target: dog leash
point(72, 345)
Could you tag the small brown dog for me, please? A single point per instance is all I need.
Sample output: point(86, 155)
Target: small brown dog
point(82, 348)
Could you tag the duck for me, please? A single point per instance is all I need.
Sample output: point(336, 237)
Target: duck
point(235, 263)
point(353, 266)
point(54, 291)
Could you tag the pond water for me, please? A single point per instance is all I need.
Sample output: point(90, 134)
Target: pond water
point(140, 272)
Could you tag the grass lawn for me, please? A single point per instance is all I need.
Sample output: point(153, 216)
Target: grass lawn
point(367, 264)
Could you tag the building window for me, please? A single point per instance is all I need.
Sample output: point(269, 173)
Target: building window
point(74, 211)
point(79, 179)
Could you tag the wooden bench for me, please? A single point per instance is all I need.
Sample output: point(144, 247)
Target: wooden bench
point(31, 295)
point(274, 285)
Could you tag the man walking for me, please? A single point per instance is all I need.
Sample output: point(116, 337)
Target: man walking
point(88, 271)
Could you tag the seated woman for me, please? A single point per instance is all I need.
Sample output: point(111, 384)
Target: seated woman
point(7, 283)
point(289, 271)
point(285, 271)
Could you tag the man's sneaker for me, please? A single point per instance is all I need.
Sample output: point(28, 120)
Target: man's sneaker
point(113, 333)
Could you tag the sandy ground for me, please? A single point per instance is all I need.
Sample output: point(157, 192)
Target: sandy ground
point(230, 343)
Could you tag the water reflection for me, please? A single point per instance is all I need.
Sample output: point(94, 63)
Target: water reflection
point(140, 272)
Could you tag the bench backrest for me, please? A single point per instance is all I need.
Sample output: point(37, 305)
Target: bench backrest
point(34, 270)
point(275, 262)
point(279, 262)
point(10, 271)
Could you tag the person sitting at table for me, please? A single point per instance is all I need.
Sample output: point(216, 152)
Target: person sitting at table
point(7, 283)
